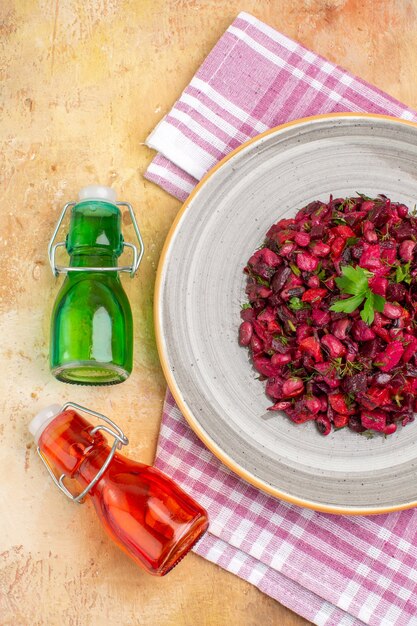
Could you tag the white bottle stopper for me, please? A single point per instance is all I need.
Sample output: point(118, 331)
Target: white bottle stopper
point(38, 424)
point(97, 192)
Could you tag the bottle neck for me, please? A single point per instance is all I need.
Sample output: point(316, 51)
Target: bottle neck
point(93, 258)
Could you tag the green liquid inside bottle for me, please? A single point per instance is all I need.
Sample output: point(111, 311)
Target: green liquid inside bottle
point(92, 329)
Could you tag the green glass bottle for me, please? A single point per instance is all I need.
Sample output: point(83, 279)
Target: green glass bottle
point(92, 330)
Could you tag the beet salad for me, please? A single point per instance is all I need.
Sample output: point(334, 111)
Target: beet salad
point(331, 320)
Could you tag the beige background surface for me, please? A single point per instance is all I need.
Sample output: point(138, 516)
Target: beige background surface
point(82, 84)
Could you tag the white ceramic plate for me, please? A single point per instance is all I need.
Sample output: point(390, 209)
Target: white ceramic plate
point(200, 288)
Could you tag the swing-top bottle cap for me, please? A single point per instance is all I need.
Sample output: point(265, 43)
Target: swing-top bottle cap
point(38, 424)
point(97, 192)
point(86, 232)
point(48, 415)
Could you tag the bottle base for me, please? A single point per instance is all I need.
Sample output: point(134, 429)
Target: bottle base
point(183, 545)
point(90, 373)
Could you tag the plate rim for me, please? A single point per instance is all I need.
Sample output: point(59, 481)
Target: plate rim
point(163, 357)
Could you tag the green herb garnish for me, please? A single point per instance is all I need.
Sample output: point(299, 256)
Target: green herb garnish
point(281, 338)
point(348, 305)
point(346, 204)
point(369, 434)
point(350, 399)
point(320, 210)
point(350, 241)
point(295, 304)
point(362, 195)
point(338, 219)
point(262, 281)
point(295, 270)
point(398, 399)
point(355, 281)
point(402, 273)
point(321, 275)
point(346, 368)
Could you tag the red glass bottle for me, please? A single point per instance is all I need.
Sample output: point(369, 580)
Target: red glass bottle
point(148, 516)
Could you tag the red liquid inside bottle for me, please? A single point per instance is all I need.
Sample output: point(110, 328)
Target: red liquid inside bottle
point(152, 519)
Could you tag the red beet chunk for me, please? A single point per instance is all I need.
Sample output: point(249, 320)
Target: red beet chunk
point(287, 250)
point(387, 360)
point(313, 282)
point(392, 311)
point(334, 347)
point(371, 258)
point(281, 359)
point(378, 285)
point(292, 387)
point(267, 315)
point(311, 346)
point(281, 405)
point(407, 249)
point(264, 366)
point(303, 331)
point(267, 256)
point(410, 347)
point(302, 239)
point(245, 333)
point(320, 249)
point(340, 327)
point(337, 247)
point(374, 420)
point(362, 332)
point(274, 387)
point(323, 424)
point(390, 429)
point(299, 417)
point(314, 295)
point(343, 231)
point(328, 374)
point(280, 226)
point(388, 253)
point(313, 404)
point(376, 396)
point(338, 403)
point(307, 262)
point(369, 232)
point(340, 421)
point(320, 318)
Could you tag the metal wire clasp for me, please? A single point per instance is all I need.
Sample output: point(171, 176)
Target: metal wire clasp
point(137, 255)
point(119, 440)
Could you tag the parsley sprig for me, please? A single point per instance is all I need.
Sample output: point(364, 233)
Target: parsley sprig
point(355, 281)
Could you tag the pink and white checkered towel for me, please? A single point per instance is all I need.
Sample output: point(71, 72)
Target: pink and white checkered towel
point(333, 570)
